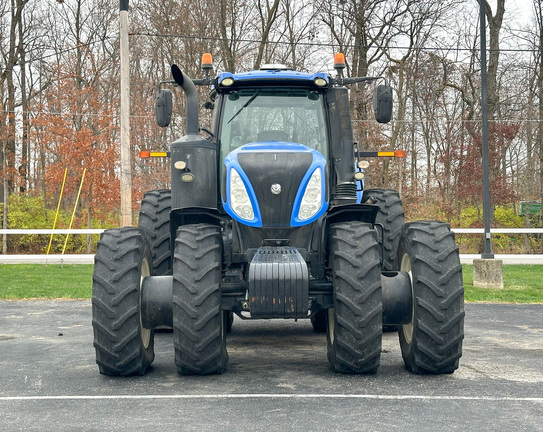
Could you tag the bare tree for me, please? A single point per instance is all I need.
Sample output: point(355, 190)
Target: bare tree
point(268, 11)
point(234, 22)
point(414, 24)
point(10, 53)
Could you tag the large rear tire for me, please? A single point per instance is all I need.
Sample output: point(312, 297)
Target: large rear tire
point(354, 324)
point(198, 322)
point(432, 342)
point(123, 346)
point(391, 217)
point(154, 218)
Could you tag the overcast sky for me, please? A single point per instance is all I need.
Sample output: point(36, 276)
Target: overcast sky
point(517, 10)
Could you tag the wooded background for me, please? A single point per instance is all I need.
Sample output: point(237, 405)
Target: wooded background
point(59, 93)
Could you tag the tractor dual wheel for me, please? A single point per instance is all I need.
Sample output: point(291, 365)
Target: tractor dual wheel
point(432, 342)
point(123, 345)
point(354, 324)
point(154, 218)
point(199, 324)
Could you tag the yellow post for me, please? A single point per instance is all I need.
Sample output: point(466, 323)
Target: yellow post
point(75, 208)
point(58, 208)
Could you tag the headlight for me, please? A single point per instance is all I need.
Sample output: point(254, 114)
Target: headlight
point(320, 82)
point(359, 175)
point(239, 198)
point(227, 82)
point(312, 199)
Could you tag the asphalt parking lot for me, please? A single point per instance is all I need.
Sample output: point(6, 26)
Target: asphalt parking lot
point(277, 380)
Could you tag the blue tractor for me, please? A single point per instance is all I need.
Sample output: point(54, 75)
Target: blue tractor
point(267, 218)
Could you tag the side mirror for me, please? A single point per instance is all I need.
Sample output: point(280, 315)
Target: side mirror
point(382, 103)
point(163, 107)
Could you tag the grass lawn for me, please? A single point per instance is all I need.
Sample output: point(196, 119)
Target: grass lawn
point(40, 281)
point(523, 283)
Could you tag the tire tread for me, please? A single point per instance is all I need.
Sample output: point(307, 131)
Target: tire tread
point(199, 341)
point(115, 303)
point(355, 346)
point(439, 299)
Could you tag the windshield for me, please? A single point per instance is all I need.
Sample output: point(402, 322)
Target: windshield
point(257, 115)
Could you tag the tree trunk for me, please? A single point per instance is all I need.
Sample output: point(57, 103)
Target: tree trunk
point(9, 137)
point(228, 54)
point(268, 15)
point(494, 25)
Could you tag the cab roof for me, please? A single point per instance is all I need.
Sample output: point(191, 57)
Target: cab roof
point(272, 76)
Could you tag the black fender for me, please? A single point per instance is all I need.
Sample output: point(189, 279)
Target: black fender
point(352, 212)
point(194, 215)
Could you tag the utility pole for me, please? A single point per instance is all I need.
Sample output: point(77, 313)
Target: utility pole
point(484, 105)
point(487, 271)
point(126, 166)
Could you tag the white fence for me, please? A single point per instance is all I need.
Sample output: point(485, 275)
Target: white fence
point(50, 258)
point(51, 231)
point(498, 230)
point(99, 231)
point(89, 258)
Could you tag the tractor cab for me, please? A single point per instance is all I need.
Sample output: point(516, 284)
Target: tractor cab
point(273, 142)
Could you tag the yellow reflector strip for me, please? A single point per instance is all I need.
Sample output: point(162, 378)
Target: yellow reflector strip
point(395, 153)
point(148, 154)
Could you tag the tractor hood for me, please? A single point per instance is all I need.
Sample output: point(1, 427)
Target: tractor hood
point(274, 184)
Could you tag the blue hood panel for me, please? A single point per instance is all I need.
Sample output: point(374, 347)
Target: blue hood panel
point(275, 175)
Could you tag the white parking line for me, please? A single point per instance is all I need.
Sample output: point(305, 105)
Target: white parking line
point(273, 396)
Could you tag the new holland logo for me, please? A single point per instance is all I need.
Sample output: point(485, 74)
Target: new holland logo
point(275, 188)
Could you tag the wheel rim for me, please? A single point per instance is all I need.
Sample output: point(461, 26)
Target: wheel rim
point(408, 329)
point(145, 332)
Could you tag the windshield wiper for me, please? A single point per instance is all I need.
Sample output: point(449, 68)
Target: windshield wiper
point(251, 99)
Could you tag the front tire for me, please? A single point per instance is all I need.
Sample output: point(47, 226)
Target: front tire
point(432, 342)
point(198, 322)
point(354, 324)
point(123, 346)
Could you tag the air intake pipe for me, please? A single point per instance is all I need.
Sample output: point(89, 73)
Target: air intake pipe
point(192, 106)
